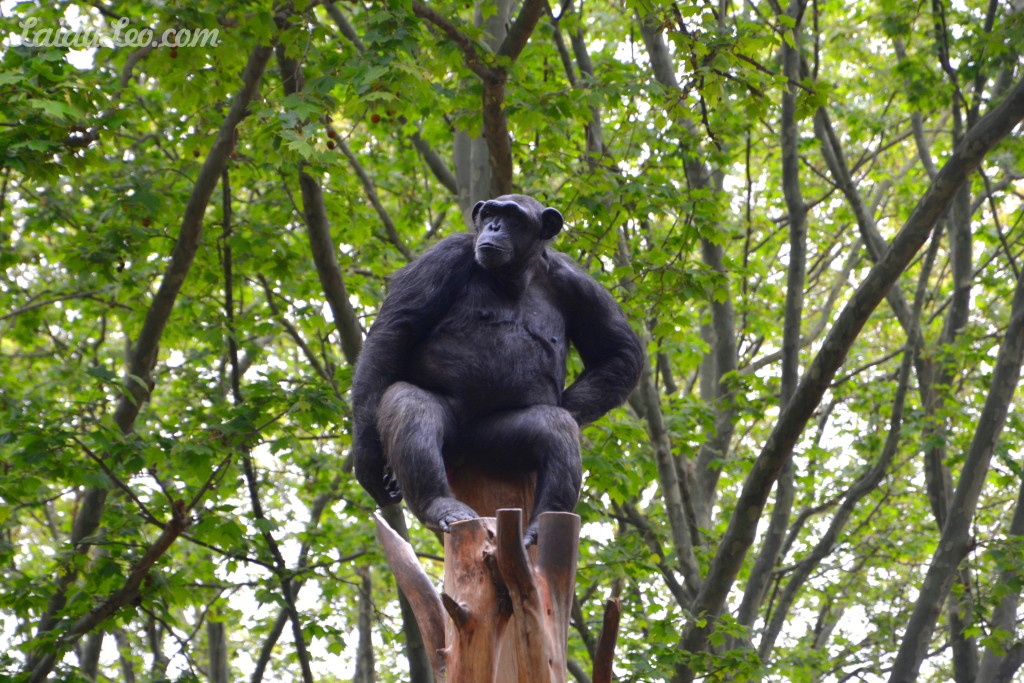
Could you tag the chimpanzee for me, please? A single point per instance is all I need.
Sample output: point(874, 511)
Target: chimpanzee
point(467, 361)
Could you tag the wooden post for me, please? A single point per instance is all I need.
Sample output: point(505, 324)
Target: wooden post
point(509, 614)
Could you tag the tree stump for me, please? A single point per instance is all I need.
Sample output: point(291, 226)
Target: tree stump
point(508, 609)
point(487, 492)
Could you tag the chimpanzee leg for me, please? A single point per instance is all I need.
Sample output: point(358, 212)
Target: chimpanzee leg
point(413, 425)
point(542, 438)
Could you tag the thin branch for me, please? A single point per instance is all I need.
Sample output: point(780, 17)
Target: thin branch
point(955, 541)
point(371, 194)
point(867, 482)
point(430, 157)
point(823, 317)
point(149, 516)
point(344, 26)
point(319, 231)
point(142, 357)
point(469, 49)
point(294, 333)
point(91, 294)
point(998, 227)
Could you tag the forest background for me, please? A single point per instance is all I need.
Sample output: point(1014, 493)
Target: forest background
point(811, 213)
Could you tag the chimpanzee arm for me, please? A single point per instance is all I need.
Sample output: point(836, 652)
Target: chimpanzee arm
point(612, 354)
point(418, 297)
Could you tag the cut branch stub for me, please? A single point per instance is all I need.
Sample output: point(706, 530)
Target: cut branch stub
point(604, 654)
point(541, 595)
point(418, 590)
point(529, 642)
point(558, 541)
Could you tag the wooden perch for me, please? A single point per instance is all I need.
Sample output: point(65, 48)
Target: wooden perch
point(508, 612)
point(487, 492)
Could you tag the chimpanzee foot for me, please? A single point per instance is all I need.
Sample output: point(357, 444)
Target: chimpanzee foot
point(441, 513)
point(391, 486)
point(530, 537)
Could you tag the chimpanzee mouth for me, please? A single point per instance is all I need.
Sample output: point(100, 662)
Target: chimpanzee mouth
point(493, 256)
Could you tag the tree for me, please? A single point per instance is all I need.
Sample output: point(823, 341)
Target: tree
point(811, 213)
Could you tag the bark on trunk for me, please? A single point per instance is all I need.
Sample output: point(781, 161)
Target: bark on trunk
point(364, 651)
point(217, 651)
point(771, 548)
point(1004, 616)
point(508, 611)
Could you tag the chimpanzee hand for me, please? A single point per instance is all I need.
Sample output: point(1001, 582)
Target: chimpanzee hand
point(373, 473)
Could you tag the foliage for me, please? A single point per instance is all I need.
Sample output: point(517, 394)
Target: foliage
point(667, 167)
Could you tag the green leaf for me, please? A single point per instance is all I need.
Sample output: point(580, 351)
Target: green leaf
point(56, 109)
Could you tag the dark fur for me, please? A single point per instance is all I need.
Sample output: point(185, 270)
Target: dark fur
point(466, 360)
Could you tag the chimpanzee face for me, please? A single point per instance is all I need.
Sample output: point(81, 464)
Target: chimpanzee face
point(511, 229)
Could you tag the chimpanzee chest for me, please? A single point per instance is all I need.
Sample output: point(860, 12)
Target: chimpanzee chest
point(492, 351)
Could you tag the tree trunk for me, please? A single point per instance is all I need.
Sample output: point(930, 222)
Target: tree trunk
point(217, 649)
point(992, 128)
point(471, 154)
point(364, 653)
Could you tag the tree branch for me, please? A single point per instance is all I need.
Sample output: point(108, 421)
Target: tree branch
point(430, 157)
point(955, 541)
point(371, 194)
point(796, 272)
point(142, 357)
point(127, 593)
point(318, 229)
point(1004, 616)
point(468, 47)
point(521, 29)
point(865, 483)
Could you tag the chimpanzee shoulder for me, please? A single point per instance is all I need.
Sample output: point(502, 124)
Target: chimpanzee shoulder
point(429, 284)
point(573, 284)
point(449, 256)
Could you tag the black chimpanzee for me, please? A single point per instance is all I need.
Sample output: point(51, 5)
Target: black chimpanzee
point(466, 361)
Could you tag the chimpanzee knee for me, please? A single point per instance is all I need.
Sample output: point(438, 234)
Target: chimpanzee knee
point(551, 432)
point(556, 449)
point(407, 409)
point(413, 423)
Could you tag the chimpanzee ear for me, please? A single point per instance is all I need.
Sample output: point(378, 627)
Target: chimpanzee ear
point(476, 210)
point(550, 223)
